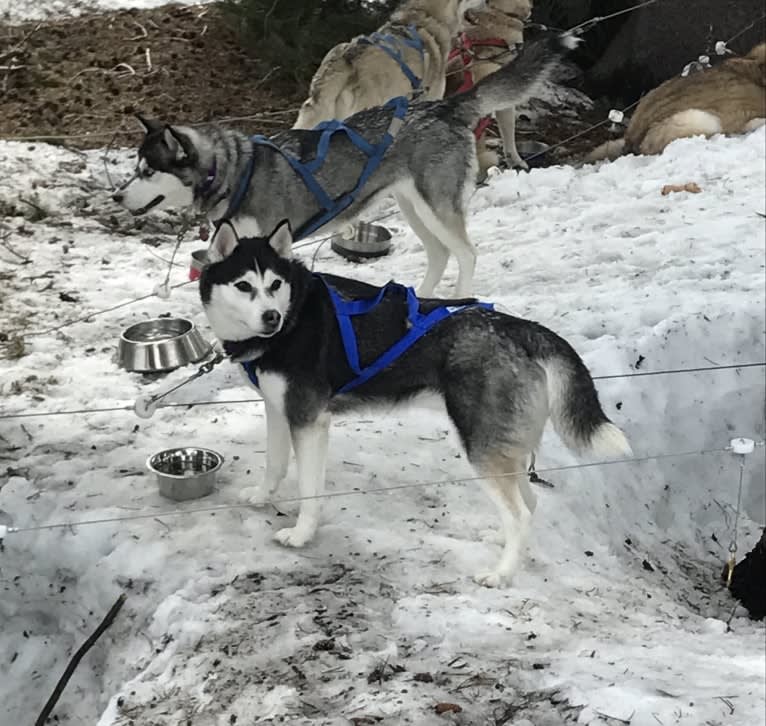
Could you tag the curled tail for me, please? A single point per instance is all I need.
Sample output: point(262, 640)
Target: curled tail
point(574, 407)
point(516, 81)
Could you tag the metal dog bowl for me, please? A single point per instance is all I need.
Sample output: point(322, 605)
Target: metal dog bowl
point(185, 473)
point(197, 264)
point(533, 152)
point(368, 240)
point(161, 344)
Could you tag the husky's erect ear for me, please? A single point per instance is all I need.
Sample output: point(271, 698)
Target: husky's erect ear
point(281, 239)
point(224, 242)
point(147, 124)
point(179, 143)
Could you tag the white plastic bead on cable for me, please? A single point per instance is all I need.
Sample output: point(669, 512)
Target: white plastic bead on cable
point(704, 60)
point(162, 291)
point(616, 116)
point(720, 48)
point(742, 446)
point(145, 406)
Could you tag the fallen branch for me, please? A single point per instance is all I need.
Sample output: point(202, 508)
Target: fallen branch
point(626, 721)
point(76, 658)
point(19, 47)
point(5, 245)
point(144, 34)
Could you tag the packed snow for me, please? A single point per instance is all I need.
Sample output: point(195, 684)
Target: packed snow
point(617, 617)
point(19, 11)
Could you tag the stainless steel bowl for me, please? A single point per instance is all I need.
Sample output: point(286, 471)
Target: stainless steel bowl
point(185, 473)
point(368, 240)
point(161, 344)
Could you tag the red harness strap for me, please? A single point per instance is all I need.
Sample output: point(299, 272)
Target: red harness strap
point(463, 50)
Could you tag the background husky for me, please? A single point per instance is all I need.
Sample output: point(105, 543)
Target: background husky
point(727, 99)
point(357, 75)
point(500, 378)
point(499, 20)
point(430, 167)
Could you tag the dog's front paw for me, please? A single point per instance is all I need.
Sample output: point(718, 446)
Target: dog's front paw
point(293, 536)
point(519, 164)
point(493, 578)
point(255, 496)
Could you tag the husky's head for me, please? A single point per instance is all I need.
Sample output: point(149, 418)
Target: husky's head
point(168, 169)
point(246, 289)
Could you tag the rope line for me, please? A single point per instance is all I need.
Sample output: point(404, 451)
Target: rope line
point(148, 295)
point(745, 29)
point(357, 492)
point(670, 371)
point(635, 103)
point(96, 313)
point(191, 404)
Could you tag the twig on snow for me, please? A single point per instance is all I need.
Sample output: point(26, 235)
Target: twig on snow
point(76, 658)
point(4, 244)
point(626, 721)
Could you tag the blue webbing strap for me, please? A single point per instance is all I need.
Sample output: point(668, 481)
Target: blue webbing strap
point(419, 326)
point(374, 152)
point(346, 309)
point(391, 43)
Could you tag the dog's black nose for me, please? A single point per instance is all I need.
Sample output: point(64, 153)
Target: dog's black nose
point(118, 197)
point(271, 318)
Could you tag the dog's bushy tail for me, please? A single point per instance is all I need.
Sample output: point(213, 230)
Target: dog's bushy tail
point(516, 81)
point(574, 407)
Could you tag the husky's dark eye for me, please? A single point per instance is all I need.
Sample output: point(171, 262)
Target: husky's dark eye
point(243, 286)
point(275, 285)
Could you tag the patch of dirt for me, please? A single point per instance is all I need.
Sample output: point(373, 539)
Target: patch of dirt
point(86, 76)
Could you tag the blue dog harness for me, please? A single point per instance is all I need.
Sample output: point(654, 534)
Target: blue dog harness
point(391, 44)
point(418, 325)
point(331, 208)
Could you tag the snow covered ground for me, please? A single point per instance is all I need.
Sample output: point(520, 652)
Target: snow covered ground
point(618, 616)
point(18, 11)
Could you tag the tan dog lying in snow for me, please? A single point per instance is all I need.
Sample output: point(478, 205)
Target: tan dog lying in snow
point(727, 99)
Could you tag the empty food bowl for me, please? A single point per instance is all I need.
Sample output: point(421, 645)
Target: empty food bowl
point(185, 473)
point(367, 240)
point(161, 344)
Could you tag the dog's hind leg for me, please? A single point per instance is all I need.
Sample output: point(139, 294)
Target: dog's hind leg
point(310, 444)
point(436, 252)
point(515, 501)
point(506, 122)
point(441, 233)
point(277, 457)
point(449, 226)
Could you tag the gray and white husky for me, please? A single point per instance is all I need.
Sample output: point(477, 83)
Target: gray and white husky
point(430, 167)
point(499, 377)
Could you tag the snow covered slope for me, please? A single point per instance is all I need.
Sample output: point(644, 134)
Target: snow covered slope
point(617, 617)
point(18, 11)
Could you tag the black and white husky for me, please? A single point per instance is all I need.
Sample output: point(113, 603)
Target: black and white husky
point(429, 166)
point(500, 377)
